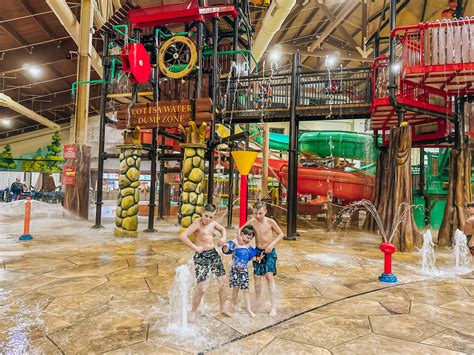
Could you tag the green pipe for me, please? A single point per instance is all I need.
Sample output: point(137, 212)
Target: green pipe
point(125, 34)
point(169, 35)
point(116, 29)
point(73, 86)
point(177, 68)
point(114, 60)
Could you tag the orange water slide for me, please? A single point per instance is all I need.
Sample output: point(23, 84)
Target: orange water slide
point(350, 186)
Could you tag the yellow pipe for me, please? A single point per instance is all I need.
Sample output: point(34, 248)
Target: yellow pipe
point(7, 101)
point(274, 17)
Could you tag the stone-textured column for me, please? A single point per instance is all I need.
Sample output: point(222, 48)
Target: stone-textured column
point(193, 183)
point(126, 220)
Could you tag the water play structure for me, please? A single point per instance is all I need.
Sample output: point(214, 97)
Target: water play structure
point(177, 71)
point(347, 185)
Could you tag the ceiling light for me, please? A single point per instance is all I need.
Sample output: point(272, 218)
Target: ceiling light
point(6, 122)
point(33, 70)
point(275, 55)
point(331, 61)
point(395, 67)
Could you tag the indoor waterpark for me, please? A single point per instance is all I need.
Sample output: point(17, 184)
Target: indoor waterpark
point(237, 177)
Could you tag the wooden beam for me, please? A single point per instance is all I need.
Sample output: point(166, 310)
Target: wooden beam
point(14, 34)
point(42, 24)
point(49, 53)
point(61, 100)
point(289, 22)
point(346, 11)
point(322, 53)
point(83, 72)
point(333, 19)
point(310, 17)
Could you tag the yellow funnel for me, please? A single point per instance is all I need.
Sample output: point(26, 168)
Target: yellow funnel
point(244, 160)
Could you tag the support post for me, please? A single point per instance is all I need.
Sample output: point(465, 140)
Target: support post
point(83, 73)
point(230, 197)
point(422, 186)
point(101, 157)
point(215, 88)
point(265, 156)
point(377, 44)
point(161, 193)
point(243, 199)
point(233, 173)
point(151, 204)
point(392, 86)
point(291, 197)
point(244, 161)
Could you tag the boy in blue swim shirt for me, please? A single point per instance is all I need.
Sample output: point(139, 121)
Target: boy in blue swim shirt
point(239, 272)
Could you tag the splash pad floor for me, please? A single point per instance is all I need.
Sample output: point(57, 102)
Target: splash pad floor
point(78, 290)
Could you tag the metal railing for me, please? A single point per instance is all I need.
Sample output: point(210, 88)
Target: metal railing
point(336, 87)
point(318, 88)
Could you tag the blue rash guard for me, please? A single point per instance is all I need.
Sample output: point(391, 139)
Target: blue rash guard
point(242, 255)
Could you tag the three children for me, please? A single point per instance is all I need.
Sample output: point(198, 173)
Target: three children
point(207, 261)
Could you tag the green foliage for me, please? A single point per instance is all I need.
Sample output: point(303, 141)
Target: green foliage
point(51, 162)
point(6, 159)
point(36, 164)
point(54, 155)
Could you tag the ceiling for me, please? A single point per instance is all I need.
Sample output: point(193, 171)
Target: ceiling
point(30, 34)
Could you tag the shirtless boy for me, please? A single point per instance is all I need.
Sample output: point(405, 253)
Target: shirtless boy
point(265, 247)
point(206, 259)
point(468, 227)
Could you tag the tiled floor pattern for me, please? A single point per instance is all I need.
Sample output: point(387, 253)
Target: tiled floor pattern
point(78, 290)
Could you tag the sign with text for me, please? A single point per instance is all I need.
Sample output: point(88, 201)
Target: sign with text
point(68, 175)
point(164, 114)
point(70, 151)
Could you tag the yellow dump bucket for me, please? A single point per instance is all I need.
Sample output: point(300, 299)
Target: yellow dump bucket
point(244, 160)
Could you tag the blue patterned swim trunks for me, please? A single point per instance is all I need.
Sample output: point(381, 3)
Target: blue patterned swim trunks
point(267, 264)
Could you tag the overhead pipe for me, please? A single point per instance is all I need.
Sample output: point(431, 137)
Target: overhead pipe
point(7, 101)
point(72, 26)
point(271, 24)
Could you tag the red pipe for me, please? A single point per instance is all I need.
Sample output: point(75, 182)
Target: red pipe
point(243, 199)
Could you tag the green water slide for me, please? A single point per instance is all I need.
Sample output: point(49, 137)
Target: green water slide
point(342, 144)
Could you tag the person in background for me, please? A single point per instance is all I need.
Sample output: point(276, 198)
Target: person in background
point(16, 189)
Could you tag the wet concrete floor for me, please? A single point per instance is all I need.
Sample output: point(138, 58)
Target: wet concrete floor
point(77, 290)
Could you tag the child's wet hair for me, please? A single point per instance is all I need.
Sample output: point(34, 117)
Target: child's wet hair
point(470, 204)
point(210, 208)
point(248, 230)
point(259, 205)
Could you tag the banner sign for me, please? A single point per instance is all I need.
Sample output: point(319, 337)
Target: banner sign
point(68, 175)
point(164, 114)
point(70, 151)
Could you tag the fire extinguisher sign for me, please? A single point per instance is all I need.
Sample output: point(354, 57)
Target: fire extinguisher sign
point(68, 175)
